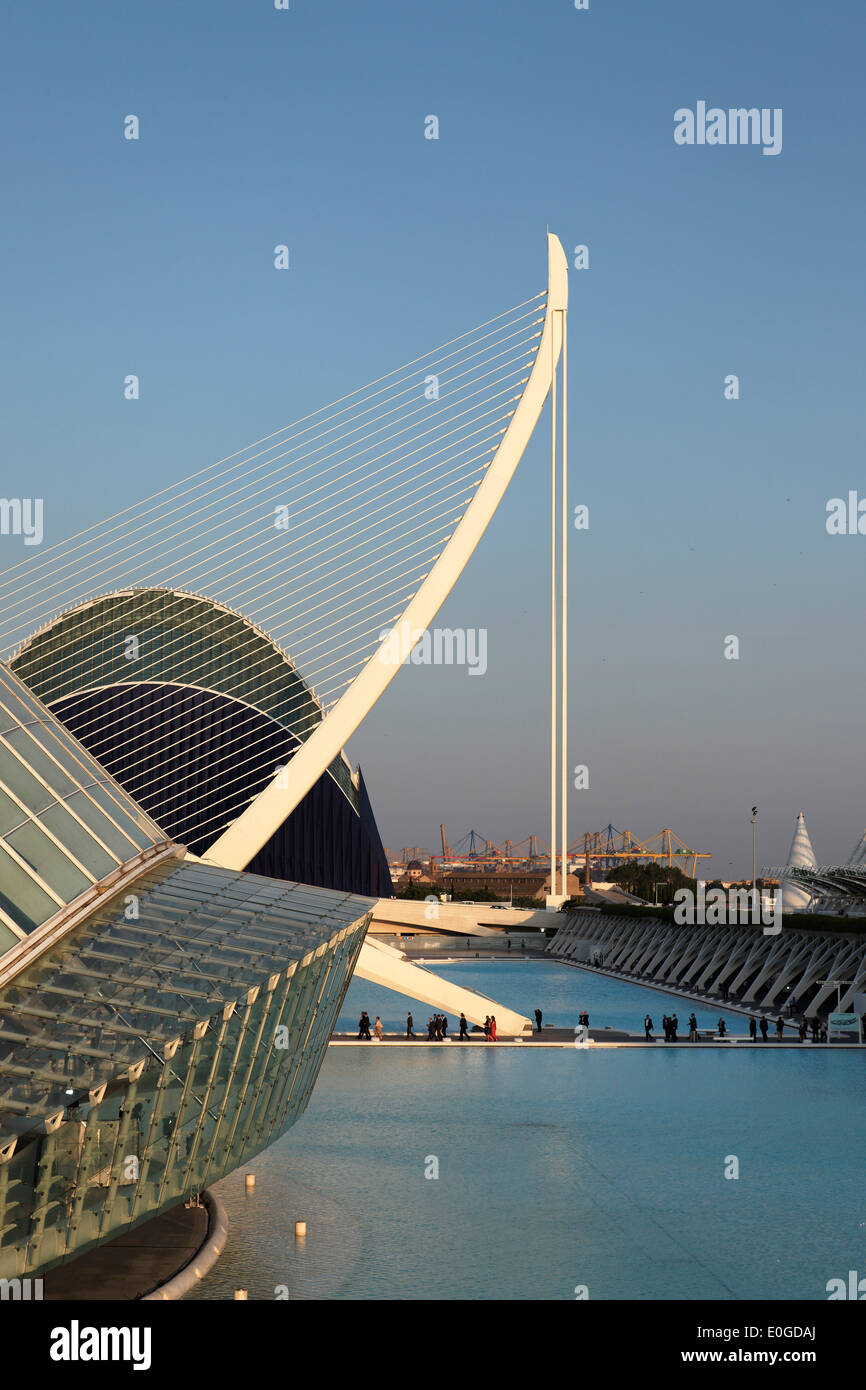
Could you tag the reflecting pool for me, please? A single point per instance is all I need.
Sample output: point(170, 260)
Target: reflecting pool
point(559, 1168)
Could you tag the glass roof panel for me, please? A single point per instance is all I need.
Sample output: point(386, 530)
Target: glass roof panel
point(43, 774)
point(21, 897)
point(48, 861)
point(114, 988)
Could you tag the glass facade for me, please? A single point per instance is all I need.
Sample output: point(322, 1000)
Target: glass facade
point(65, 825)
point(166, 1040)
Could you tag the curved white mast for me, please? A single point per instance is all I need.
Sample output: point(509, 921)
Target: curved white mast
point(254, 827)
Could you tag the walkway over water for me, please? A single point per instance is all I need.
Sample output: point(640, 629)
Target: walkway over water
point(598, 1038)
point(735, 966)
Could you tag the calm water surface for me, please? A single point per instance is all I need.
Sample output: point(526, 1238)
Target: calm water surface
point(559, 1168)
point(560, 991)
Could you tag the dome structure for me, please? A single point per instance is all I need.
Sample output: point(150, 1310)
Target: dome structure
point(193, 709)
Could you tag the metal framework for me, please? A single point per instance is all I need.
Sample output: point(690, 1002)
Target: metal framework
point(148, 1055)
point(722, 962)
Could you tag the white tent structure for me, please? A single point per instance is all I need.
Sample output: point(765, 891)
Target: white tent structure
point(800, 856)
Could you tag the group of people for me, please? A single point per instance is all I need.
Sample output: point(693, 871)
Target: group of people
point(670, 1025)
point(364, 1027)
point(819, 1030)
point(437, 1028)
point(761, 1025)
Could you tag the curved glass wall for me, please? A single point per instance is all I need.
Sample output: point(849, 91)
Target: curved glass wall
point(168, 1038)
point(65, 825)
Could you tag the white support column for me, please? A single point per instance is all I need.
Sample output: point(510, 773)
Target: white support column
point(563, 835)
point(553, 630)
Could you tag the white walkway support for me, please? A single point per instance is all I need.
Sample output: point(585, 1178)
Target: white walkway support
point(382, 966)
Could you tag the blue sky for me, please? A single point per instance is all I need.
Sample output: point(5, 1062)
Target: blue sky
point(706, 516)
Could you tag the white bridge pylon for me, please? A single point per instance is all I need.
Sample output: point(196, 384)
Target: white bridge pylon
point(252, 830)
point(243, 839)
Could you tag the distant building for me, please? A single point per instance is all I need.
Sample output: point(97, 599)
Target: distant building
point(525, 883)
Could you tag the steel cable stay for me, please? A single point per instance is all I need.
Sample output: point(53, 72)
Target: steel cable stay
point(139, 548)
point(109, 729)
point(255, 639)
point(49, 560)
point(362, 505)
point(380, 482)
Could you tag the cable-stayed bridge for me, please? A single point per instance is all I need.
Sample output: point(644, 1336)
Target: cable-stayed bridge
point(217, 643)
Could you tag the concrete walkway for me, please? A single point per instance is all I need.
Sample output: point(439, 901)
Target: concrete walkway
point(599, 1037)
point(135, 1262)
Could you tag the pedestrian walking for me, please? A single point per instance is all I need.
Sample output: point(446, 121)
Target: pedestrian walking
point(429, 1030)
point(464, 1027)
point(753, 1029)
point(780, 1028)
point(443, 1027)
point(765, 1028)
point(410, 1023)
point(723, 1028)
point(364, 1026)
point(648, 1028)
point(675, 1023)
point(377, 1028)
point(487, 1028)
point(538, 1018)
point(693, 1027)
point(493, 1028)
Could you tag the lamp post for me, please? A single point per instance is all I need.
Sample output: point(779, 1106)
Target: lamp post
point(755, 911)
point(838, 984)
